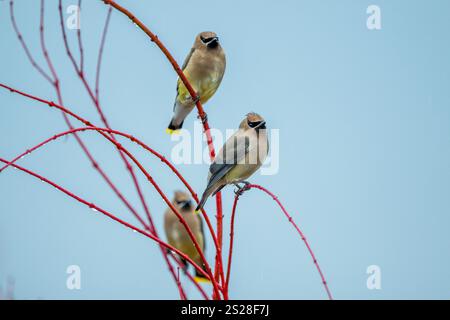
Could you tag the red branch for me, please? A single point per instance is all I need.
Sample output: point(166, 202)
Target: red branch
point(219, 282)
point(24, 45)
point(201, 113)
point(55, 84)
point(109, 215)
point(122, 149)
point(143, 170)
point(100, 55)
point(81, 75)
point(101, 131)
point(80, 42)
point(182, 294)
point(149, 178)
point(291, 220)
point(191, 278)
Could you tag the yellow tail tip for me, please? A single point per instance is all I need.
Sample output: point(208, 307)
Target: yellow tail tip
point(171, 131)
point(201, 280)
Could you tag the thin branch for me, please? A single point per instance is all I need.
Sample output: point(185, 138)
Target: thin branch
point(191, 278)
point(81, 75)
point(66, 43)
point(95, 98)
point(80, 42)
point(291, 221)
point(201, 113)
point(109, 215)
point(152, 181)
point(24, 45)
point(129, 137)
point(230, 253)
point(100, 55)
point(180, 288)
point(55, 84)
point(44, 48)
point(143, 170)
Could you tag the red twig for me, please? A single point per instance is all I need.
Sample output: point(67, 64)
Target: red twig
point(44, 48)
point(143, 170)
point(101, 130)
point(109, 215)
point(73, 131)
point(24, 45)
point(109, 134)
point(116, 132)
point(80, 42)
point(100, 54)
point(119, 146)
point(191, 278)
point(230, 253)
point(151, 180)
point(55, 84)
point(291, 220)
point(81, 75)
point(180, 288)
point(201, 112)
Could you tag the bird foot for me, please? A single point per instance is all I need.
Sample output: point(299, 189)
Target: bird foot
point(196, 99)
point(203, 119)
point(241, 189)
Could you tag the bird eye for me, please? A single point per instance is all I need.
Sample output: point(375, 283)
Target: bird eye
point(257, 124)
point(253, 124)
point(207, 40)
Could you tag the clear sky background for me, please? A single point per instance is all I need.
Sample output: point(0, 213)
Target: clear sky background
point(364, 119)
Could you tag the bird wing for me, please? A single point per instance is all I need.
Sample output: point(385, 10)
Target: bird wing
point(237, 147)
point(202, 231)
point(185, 63)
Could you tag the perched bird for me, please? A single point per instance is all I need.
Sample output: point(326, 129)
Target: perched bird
point(177, 235)
point(204, 68)
point(241, 155)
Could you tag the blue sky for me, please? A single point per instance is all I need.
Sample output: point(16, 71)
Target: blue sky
point(364, 120)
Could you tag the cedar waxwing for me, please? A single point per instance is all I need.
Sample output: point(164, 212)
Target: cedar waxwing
point(178, 236)
point(204, 68)
point(242, 154)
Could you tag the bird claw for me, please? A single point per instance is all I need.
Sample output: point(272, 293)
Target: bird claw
point(240, 190)
point(196, 99)
point(203, 119)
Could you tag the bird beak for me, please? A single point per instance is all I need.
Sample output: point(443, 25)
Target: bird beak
point(213, 43)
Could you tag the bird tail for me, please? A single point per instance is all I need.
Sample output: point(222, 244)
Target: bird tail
point(200, 278)
point(173, 128)
point(210, 191)
point(203, 200)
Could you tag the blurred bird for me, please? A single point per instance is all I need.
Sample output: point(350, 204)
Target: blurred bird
point(242, 154)
point(178, 236)
point(204, 68)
